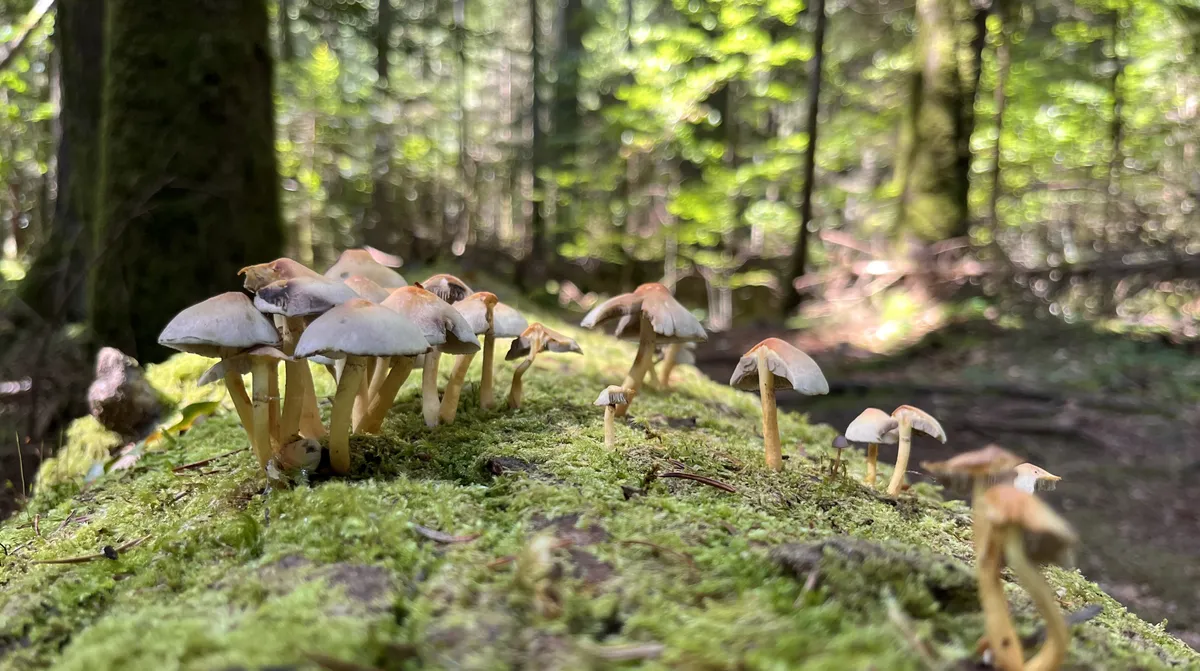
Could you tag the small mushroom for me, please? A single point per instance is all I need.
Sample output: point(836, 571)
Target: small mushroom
point(356, 329)
point(537, 338)
point(610, 398)
point(770, 365)
point(447, 287)
point(363, 262)
point(911, 419)
point(1031, 478)
point(652, 315)
point(873, 426)
point(446, 331)
point(675, 354)
point(260, 275)
point(477, 310)
point(223, 327)
point(839, 443)
point(1028, 532)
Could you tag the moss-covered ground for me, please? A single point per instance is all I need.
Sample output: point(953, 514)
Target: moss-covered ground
point(563, 554)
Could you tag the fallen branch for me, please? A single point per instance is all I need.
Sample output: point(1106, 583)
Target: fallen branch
point(109, 552)
point(205, 462)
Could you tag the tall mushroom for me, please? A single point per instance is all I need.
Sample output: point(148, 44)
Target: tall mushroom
point(1031, 478)
point(976, 469)
point(1028, 532)
point(446, 331)
point(911, 419)
point(872, 426)
point(221, 327)
point(498, 321)
point(260, 275)
point(771, 365)
point(447, 287)
point(376, 371)
point(356, 329)
point(610, 398)
point(476, 309)
point(297, 301)
point(365, 263)
point(651, 315)
point(535, 339)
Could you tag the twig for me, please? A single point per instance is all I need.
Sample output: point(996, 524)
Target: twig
point(37, 529)
point(690, 562)
point(205, 462)
point(65, 522)
point(443, 537)
point(904, 625)
point(108, 553)
point(701, 479)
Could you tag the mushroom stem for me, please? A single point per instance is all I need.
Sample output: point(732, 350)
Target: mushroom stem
point(362, 398)
point(610, 429)
point(241, 403)
point(273, 402)
point(449, 407)
point(487, 397)
point(430, 403)
point(293, 390)
point(343, 408)
point(379, 374)
point(1002, 637)
point(1050, 656)
point(770, 421)
point(897, 480)
point(382, 401)
point(310, 415)
point(260, 371)
point(669, 359)
point(645, 356)
point(514, 393)
point(872, 458)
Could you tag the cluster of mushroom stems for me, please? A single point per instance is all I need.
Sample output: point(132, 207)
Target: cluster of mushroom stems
point(369, 328)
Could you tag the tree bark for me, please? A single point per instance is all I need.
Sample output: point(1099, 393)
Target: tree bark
point(537, 225)
point(187, 185)
point(1000, 100)
point(800, 253)
point(567, 120)
point(1116, 135)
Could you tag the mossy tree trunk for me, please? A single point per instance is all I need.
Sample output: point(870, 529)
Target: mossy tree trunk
point(936, 131)
point(187, 186)
point(55, 288)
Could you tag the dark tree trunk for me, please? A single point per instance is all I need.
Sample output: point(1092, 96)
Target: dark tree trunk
point(188, 185)
point(800, 253)
point(1000, 100)
point(55, 288)
point(380, 230)
point(567, 121)
point(933, 176)
point(466, 167)
point(1116, 136)
point(533, 261)
point(287, 42)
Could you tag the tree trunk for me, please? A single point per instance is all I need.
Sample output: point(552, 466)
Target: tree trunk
point(1000, 100)
point(379, 229)
point(934, 179)
point(536, 255)
point(567, 121)
point(55, 287)
point(800, 253)
point(1116, 135)
point(188, 186)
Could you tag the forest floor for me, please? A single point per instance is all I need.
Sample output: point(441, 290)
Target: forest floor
point(1115, 416)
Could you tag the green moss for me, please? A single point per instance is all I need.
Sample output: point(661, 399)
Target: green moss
point(231, 577)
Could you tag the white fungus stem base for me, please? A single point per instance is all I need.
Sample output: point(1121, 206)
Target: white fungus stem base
point(644, 358)
point(458, 376)
point(897, 480)
point(770, 419)
point(343, 410)
point(487, 394)
point(430, 403)
point(382, 401)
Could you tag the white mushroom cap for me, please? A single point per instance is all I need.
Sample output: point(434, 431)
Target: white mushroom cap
point(367, 288)
point(613, 395)
point(872, 426)
point(302, 296)
point(672, 323)
point(221, 326)
point(790, 368)
point(260, 275)
point(447, 287)
point(475, 309)
point(441, 324)
point(920, 421)
point(359, 327)
point(363, 262)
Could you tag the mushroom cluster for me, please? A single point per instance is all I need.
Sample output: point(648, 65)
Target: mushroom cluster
point(368, 327)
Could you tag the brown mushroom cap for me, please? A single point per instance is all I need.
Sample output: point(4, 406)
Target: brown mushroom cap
point(672, 323)
point(791, 369)
point(359, 327)
point(873, 426)
point(475, 308)
point(613, 395)
point(367, 288)
point(447, 287)
point(442, 325)
point(260, 275)
point(552, 341)
point(218, 327)
point(921, 421)
point(302, 296)
point(1048, 537)
point(362, 262)
point(988, 461)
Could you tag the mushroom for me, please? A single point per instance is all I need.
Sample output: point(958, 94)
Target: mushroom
point(356, 329)
point(363, 262)
point(676, 353)
point(377, 370)
point(770, 365)
point(367, 288)
point(297, 301)
point(911, 418)
point(650, 314)
point(873, 426)
point(1027, 531)
point(222, 327)
point(446, 331)
point(610, 398)
point(447, 287)
point(260, 275)
point(499, 321)
point(839, 443)
point(1032, 478)
point(477, 310)
point(537, 338)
